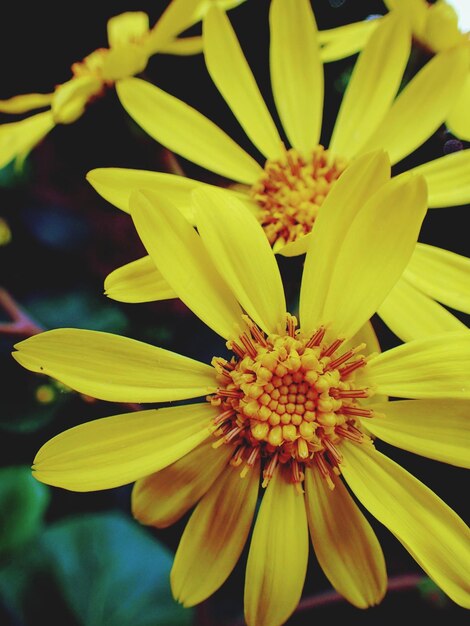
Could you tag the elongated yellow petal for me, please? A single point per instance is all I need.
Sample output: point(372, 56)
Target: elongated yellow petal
point(457, 120)
point(185, 131)
point(411, 314)
point(114, 368)
point(373, 86)
point(233, 78)
point(239, 249)
point(374, 252)
point(345, 545)
point(114, 451)
point(277, 560)
point(71, 98)
point(138, 281)
point(123, 61)
point(441, 274)
point(447, 179)
point(438, 429)
point(296, 71)
point(183, 46)
point(416, 11)
point(435, 367)
point(422, 106)
point(162, 498)
point(26, 102)
point(435, 535)
point(127, 27)
point(18, 138)
point(181, 257)
point(347, 197)
point(214, 536)
point(343, 41)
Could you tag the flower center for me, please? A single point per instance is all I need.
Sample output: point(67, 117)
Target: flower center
point(288, 399)
point(291, 191)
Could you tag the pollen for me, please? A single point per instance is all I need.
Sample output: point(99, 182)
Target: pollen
point(290, 399)
point(291, 191)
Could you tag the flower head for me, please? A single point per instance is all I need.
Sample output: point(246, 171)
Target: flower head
point(292, 405)
point(131, 43)
point(288, 193)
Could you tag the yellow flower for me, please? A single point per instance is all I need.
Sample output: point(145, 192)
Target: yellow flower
point(434, 26)
point(131, 43)
point(291, 406)
point(287, 193)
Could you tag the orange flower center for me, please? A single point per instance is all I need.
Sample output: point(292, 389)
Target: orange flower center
point(288, 399)
point(292, 190)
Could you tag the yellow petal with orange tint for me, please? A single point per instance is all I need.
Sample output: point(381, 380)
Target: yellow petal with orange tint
point(345, 545)
point(127, 27)
point(232, 76)
point(240, 250)
point(435, 367)
point(436, 536)
point(277, 560)
point(184, 262)
point(114, 451)
point(162, 498)
point(185, 131)
point(437, 429)
point(138, 281)
point(114, 368)
point(214, 536)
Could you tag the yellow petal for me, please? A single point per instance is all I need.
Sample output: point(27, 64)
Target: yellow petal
point(296, 71)
point(233, 78)
point(447, 179)
point(26, 102)
point(441, 274)
point(435, 367)
point(183, 46)
point(411, 314)
point(114, 368)
point(239, 249)
point(458, 118)
point(18, 138)
point(437, 429)
point(185, 131)
point(350, 193)
point(277, 560)
point(116, 185)
point(422, 106)
point(214, 536)
point(435, 535)
point(123, 61)
point(127, 27)
point(138, 281)
point(114, 451)
point(373, 86)
point(345, 545)
point(416, 11)
point(162, 498)
point(178, 252)
point(380, 240)
point(71, 98)
point(343, 41)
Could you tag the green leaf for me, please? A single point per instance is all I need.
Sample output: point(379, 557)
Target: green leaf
point(111, 571)
point(23, 502)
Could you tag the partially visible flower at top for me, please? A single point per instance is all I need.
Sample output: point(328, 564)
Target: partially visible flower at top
point(131, 43)
point(435, 26)
point(287, 193)
point(291, 406)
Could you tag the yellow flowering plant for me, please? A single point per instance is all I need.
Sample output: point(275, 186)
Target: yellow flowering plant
point(294, 405)
point(287, 194)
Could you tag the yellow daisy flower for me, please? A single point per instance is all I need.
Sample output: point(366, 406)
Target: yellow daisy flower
point(131, 43)
point(286, 194)
point(289, 406)
point(434, 26)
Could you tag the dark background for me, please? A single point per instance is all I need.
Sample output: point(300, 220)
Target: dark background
point(65, 239)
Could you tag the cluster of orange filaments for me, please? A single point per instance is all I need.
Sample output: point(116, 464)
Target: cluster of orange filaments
point(292, 190)
point(288, 399)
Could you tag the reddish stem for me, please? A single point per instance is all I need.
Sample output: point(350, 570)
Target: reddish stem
point(21, 323)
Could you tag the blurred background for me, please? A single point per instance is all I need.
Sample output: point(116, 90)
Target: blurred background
point(79, 558)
